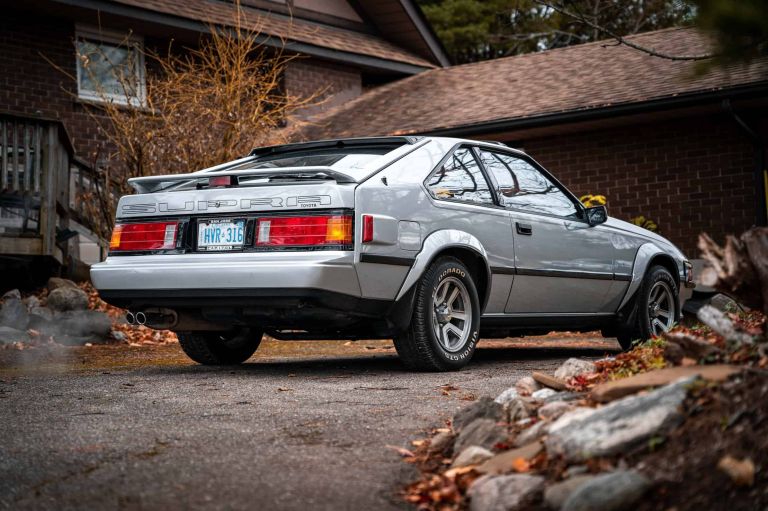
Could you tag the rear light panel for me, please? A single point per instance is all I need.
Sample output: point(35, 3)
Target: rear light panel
point(312, 231)
point(144, 237)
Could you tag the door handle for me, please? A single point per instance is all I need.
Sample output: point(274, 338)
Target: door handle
point(524, 229)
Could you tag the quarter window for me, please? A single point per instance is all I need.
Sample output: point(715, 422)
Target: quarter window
point(110, 67)
point(460, 178)
point(522, 186)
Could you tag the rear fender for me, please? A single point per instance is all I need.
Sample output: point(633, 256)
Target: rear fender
point(437, 243)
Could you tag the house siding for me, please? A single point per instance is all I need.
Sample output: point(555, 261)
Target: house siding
point(688, 175)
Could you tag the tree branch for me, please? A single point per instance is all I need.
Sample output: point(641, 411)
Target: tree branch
point(619, 39)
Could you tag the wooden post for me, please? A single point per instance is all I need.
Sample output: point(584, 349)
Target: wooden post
point(48, 193)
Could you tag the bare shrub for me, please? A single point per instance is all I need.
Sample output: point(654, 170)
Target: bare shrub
point(202, 106)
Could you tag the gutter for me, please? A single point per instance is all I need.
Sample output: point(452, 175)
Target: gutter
point(760, 172)
point(620, 110)
point(171, 20)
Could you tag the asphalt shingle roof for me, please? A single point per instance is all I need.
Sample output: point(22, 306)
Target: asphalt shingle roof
point(583, 77)
point(222, 13)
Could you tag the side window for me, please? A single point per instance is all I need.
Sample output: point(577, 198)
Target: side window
point(460, 178)
point(522, 186)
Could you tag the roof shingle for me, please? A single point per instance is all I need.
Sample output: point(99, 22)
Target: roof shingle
point(223, 13)
point(583, 77)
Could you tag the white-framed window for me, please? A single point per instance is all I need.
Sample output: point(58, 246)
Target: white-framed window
point(110, 66)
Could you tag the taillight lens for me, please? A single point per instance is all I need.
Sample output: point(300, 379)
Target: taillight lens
point(144, 236)
point(296, 231)
point(367, 228)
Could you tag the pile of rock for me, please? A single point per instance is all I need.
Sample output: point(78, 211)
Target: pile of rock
point(506, 442)
point(63, 316)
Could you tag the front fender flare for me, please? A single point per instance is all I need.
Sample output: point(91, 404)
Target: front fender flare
point(645, 253)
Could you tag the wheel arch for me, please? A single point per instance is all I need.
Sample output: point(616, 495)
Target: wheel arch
point(649, 255)
point(447, 242)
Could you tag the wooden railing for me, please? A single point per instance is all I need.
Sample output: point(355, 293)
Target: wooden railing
point(40, 182)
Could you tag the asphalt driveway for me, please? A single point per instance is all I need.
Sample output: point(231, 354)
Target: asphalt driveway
point(301, 426)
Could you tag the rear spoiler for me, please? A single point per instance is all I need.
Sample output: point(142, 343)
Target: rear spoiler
point(151, 184)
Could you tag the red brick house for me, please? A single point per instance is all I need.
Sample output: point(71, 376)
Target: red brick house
point(49, 140)
point(684, 149)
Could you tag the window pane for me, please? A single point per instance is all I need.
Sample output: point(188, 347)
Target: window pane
point(522, 186)
point(108, 70)
point(460, 178)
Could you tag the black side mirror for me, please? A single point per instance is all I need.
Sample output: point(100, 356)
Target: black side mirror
point(596, 215)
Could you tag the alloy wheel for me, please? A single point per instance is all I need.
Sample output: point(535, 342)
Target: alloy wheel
point(452, 314)
point(661, 308)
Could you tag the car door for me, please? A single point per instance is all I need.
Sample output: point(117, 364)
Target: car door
point(562, 264)
point(465, 202)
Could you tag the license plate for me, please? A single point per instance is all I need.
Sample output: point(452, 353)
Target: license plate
point(220, 234)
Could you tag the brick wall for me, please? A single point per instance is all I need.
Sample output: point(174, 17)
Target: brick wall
point(335, 83)
point(688, 175)
point(30, 85)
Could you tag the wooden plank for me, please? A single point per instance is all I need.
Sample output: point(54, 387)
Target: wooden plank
point(15, 154)
point(10, 245)
point(48, 192)
point(38, 155)
point(4, 165)
point(27, 162)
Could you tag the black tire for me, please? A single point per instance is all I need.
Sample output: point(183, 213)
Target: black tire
point(220, 348)
point(638, 327)
point(418, 347)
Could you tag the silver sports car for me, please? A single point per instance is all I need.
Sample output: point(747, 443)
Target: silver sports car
point(434, 242)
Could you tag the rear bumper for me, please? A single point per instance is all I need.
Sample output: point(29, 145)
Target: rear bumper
point(236, 273)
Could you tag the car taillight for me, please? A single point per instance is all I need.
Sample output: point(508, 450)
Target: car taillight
point(304, 231)
point(367, 228)
point(144, 236)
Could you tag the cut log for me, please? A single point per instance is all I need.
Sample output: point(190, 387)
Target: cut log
point(549, 381)
point(721, 324)
point(740, 268)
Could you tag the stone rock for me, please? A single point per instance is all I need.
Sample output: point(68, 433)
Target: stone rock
point(508, 395)
point(472, 455)
point(40, 317)
point(542, 394)
point(553, 410)
point(619, 388)
point(56, 283)
point(564, 396)
point(574, 367)
point(549, 381)
point(532, 434)
point(13, 294)
point(438, 443)
point(556, 495)
point(483, 408)
point(86, 324)
point(121, 337)
point(586, 432)
point(504, 493)
point(505, 462)
point(31, 302)
point(687, 346)
point(481, 432)
point(608, 492)
point(519, 409)
point(67, 299)
point(13, 313)
point(527, 386)
point(10, 335)
point(575, 470)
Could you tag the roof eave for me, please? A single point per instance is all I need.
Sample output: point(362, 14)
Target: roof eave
point(587, 114)
point(170, 20)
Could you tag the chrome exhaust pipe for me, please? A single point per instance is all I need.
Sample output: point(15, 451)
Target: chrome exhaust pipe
point(141, 318)
point(130, 318)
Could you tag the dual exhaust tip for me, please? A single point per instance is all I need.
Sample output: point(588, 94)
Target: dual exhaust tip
point(137, 318)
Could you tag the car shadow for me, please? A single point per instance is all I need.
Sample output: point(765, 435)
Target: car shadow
point(484, 359)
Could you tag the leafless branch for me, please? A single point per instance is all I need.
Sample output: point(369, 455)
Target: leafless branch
point(619, 39)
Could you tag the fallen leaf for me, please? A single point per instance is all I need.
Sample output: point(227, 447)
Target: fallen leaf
point(741, 472)
point(405, 453)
